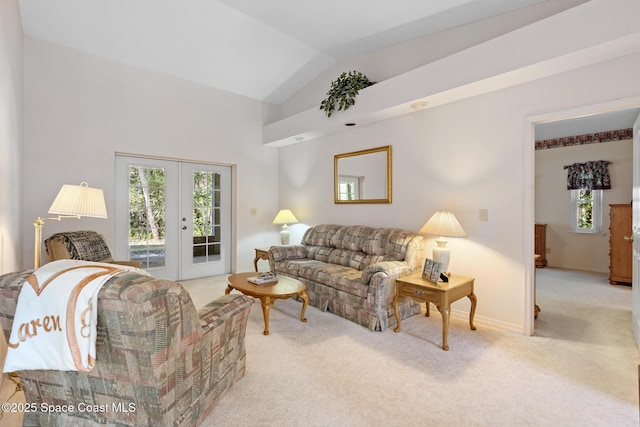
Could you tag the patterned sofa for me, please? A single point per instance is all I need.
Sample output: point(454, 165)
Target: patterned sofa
point(159, 362)
point(351, 270)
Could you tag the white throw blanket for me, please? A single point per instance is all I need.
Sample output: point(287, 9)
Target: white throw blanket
point(56, 315)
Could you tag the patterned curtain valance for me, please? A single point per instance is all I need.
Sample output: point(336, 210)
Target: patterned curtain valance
point(589, 176)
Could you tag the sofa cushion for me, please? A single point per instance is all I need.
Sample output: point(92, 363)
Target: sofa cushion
point(389, 242)
point(336, 276)
point(397, 242)
point(320, 235)
point(352, 238)
point(291, 267)
point(354, 259)
point(319, 253)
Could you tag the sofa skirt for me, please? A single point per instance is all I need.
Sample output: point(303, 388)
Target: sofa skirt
point(355, 308)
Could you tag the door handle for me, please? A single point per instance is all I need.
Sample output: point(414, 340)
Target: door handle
point(628, 238)
point(184, 227)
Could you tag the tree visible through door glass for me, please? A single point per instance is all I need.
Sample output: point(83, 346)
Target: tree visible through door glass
point(206, 216)
point(147, 216)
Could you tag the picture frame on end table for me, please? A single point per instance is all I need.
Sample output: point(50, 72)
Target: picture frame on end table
point(431, 270)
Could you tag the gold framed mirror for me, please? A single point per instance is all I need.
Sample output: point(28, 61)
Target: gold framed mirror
point(363, 176)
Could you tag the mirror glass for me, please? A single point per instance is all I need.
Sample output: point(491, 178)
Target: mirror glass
point(363, 176)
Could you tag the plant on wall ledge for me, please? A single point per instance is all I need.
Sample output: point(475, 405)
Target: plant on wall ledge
point(343, 91)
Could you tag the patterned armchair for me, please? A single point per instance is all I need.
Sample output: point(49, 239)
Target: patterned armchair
point(158, 361)
point(83, 245)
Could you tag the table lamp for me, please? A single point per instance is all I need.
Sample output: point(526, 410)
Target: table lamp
point(72, 201)
point(284, 217)
point(443, 224)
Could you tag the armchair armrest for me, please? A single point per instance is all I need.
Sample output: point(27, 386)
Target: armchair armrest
point(222, 309)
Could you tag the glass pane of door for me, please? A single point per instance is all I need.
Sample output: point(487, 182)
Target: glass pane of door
point(206, 216)
point(147, 222)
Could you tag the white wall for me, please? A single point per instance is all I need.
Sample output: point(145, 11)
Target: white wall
point(11, 116)
point(463, 156)
point(11, 67)
point(553, 202)
point(81, 109)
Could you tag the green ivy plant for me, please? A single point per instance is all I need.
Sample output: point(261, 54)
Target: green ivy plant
point(343, 91)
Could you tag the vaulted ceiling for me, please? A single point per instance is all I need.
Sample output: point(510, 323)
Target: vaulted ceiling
point(266, 50)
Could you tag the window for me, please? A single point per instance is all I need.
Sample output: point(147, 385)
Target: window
point(349, 188)
point(586, 211)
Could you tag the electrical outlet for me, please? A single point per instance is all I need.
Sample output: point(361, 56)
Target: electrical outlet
point(547, 250)
point(484, 215)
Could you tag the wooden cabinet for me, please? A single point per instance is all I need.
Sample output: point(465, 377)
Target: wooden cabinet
point(620, 244)
point(541, 245)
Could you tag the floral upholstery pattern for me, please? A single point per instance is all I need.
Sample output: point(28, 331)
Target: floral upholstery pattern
point(351, 270)
point(154, 351)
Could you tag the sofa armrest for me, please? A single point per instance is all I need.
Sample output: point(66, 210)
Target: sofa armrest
point(222, 309)
point(391, 269)
point(279, 253)
point(381, 278)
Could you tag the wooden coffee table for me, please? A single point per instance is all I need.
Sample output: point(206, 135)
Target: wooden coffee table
point(284, 288)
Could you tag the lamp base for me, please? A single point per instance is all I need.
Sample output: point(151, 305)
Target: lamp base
point(442, 254)
point(284, 235)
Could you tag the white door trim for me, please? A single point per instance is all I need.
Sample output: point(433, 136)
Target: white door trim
point(528, 168)
point(635, 213)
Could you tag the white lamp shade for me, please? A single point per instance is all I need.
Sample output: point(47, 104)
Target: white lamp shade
point(443, 224)
point(80, 200)
point(285, 216)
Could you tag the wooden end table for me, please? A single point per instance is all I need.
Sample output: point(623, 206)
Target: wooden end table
point(441, 294)
point(261, 254)
point(284, 288)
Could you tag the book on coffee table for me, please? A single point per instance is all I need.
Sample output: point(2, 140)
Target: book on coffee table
point(263, 278)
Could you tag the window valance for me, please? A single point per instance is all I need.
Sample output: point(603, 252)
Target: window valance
point(589, 176)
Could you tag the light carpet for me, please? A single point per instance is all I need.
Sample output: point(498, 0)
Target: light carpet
point(579, 369)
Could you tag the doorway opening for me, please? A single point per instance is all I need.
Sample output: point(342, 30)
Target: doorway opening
point(538, 125)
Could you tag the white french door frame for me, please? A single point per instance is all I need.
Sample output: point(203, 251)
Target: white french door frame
point(173, 269)
point(188, 267)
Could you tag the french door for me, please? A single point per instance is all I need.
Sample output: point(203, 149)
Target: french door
point(173, 216)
